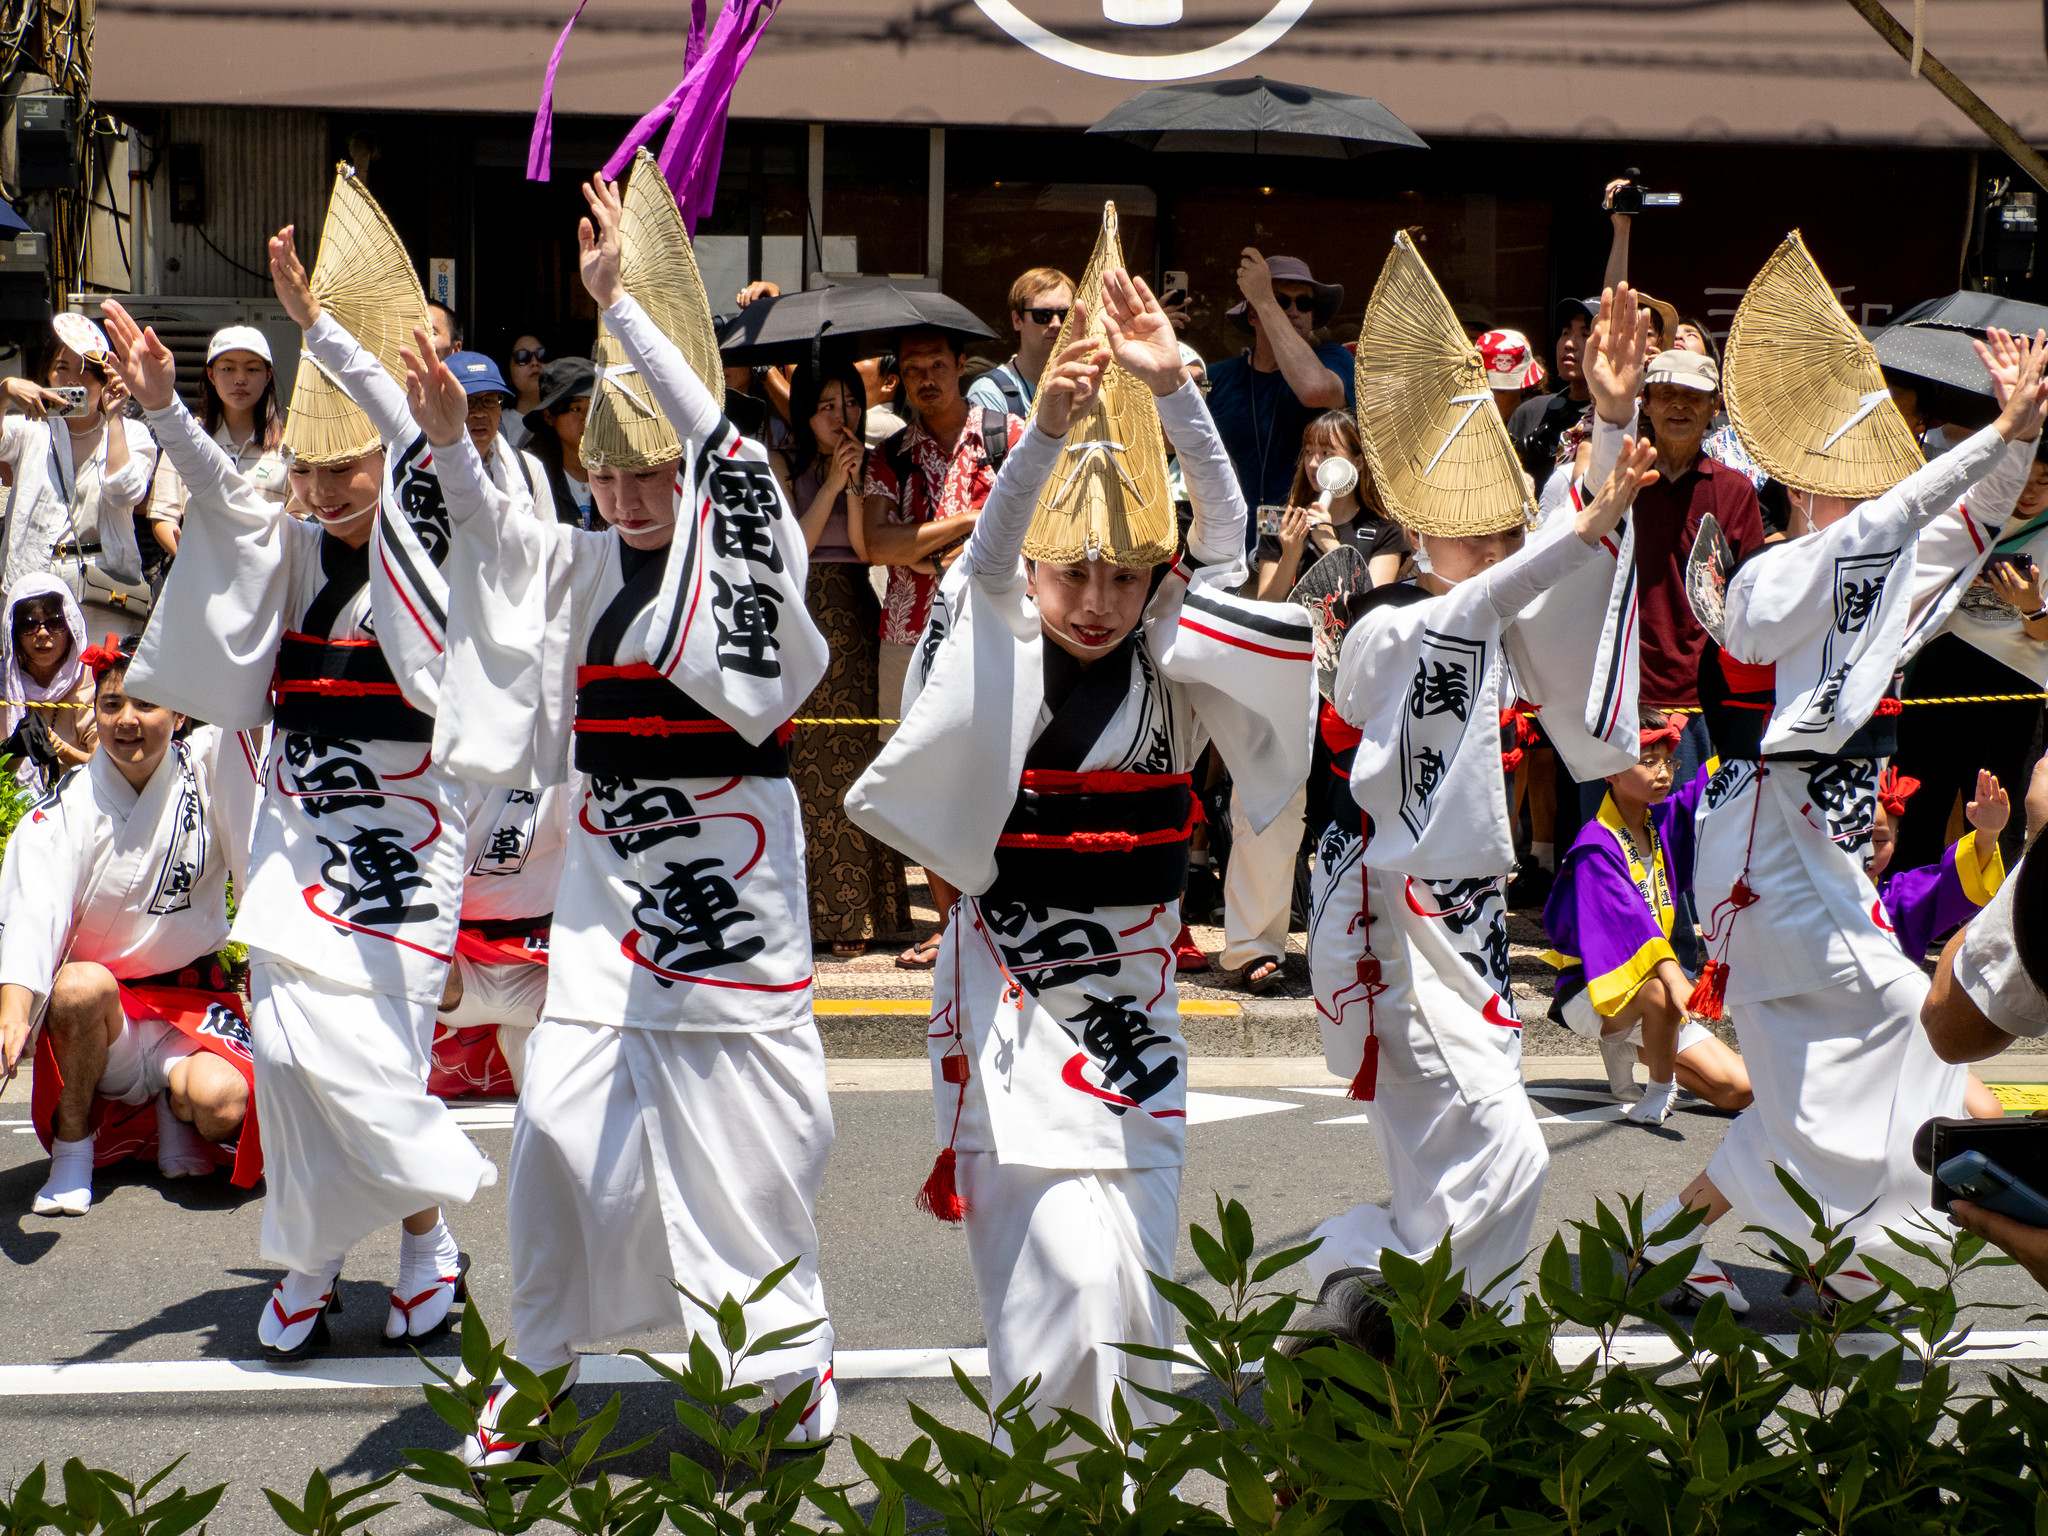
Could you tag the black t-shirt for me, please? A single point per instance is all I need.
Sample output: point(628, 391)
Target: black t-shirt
point(1537, 425)
point(1367, 534)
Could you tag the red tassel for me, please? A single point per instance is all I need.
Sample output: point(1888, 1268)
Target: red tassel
point(1367, 1083)
point(953, 1068)
point(1711, 991)
point(940, 1196)
point(1369, 969)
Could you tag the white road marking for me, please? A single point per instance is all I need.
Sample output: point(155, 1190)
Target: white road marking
point(1204, 1108)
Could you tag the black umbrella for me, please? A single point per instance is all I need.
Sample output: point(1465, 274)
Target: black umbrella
point(1258, 117)
point(1928, 349)
point(849, 320)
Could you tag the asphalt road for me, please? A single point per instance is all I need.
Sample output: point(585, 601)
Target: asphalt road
point(170, 1272)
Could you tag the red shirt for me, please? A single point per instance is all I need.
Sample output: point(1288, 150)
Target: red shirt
point(942, 485)
point(1667, 518)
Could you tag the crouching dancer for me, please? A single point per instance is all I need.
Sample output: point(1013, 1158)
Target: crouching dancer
point(1073, 665)
point(114, 896)
point(674, 1119)
point(356, 869)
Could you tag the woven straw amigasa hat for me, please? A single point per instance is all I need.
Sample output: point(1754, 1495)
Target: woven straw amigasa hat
point(625, 428)
point(365, 280)
point(1439, 452)
point(1804, 389)
point(1107, 495)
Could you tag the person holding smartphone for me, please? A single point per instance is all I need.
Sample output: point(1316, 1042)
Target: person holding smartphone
point(80, 469)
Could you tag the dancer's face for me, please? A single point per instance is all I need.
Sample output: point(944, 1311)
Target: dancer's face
point(342, 496)
point(1881, 839)
point(640, 503)
point(1649, 782)
point(134, 734)
point(1087, 607)
point(1460, 559)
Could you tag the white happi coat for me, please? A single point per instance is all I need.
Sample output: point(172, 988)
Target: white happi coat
point(356, 869)
point(1824, 1002)
point(132, 880)
point(682, 902)
point(518, 839)
point(1069, 1015)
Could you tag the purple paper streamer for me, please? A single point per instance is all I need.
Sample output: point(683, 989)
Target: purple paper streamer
point(541, 150)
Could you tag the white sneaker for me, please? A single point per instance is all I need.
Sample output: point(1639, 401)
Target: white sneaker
point(1654, 1105)
point(68, 1190)
point(1620, 1059)
point(1710, 1279)
point(821, 1415)
point(485, 1448)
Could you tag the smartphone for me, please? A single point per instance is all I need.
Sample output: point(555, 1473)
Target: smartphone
point(1172, 283)
point(74, 400)
point(2021, 566)
point(1979, 1180)
point(1269, 521)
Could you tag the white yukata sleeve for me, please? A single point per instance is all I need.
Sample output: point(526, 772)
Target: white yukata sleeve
point(508, 697)
point(223, 607)
point(39, 888)
point(1953, 547)
point(1987, 968)
point(1776, 603)
point(362, 378)
point(670, 379)
point(1216, 537)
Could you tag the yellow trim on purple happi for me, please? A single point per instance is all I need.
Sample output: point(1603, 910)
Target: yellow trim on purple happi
point(1610, 992)
point(1979, 884)
point(1559, 961)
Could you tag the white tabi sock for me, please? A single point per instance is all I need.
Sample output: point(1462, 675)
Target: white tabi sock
point(1655, 1103)
point(68, 1190)
point(1664, 1215)
point(180, 1149)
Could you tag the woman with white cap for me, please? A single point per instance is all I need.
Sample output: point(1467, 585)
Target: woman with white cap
point(241, 412)
point(76, 489)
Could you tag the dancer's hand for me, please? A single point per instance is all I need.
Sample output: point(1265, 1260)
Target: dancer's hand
point(1140, 334)
point(1992, 808)
point(1075, 375)
point(432, 392)
point(2016, 365)
point(142, 363)
point(600, 245)
point(288, 274)
point(1631, 472)
point(1616, 354)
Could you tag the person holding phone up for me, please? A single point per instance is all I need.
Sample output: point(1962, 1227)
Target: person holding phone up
point(76, 487)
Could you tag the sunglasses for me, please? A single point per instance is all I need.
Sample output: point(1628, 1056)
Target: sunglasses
point(1047, 316)
point(27, 624)
point(524, 355)
point(1305, 302)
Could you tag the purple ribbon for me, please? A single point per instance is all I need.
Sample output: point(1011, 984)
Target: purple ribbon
point(542, 148)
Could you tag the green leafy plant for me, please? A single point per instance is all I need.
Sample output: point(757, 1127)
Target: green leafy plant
point(96, 1500)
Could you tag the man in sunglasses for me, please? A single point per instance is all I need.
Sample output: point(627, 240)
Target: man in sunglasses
point(1264, 397)
point(1039, 301)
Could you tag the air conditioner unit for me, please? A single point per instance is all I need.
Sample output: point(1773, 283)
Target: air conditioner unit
point(185, 325)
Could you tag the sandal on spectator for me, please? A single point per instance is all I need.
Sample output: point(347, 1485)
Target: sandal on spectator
point(923, 955)
point(1261, 976)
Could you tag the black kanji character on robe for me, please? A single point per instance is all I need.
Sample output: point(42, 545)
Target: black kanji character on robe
point(1439, 688)
point(420, 498)
point(1075, 940)
point(747, 617)
point(636, 820)
point(1857, 600)
point(1429, 772)
point(1117, 1035)
point(326, 780)
point(507, 846)
point(744, 485)
point(744, 534)
point(374, 873)
point(687, 913)
point(1841, 781)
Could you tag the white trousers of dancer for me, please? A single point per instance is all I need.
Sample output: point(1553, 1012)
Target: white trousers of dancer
point(509, 996)
point(1258, 884)
point(352, 1140)
point(1475, 1171)
point(1843, 1077)
point(1062, 1261)
point(642, 1156)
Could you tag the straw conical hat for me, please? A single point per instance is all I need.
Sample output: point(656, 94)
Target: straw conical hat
point(1439, 451)
point(1107, 496)
point(1804, 389)
point(365, 280)
point(625, 428)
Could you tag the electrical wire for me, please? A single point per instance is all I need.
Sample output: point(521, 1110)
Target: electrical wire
point(200, 231)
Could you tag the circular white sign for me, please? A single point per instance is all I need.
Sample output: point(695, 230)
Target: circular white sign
point(1255, 39)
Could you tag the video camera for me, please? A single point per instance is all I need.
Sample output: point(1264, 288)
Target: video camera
point(1634, 198)
point(2004, 1163)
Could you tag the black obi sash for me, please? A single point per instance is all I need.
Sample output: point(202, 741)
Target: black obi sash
point(633, 723)
point(1737, 698)
point(340, 688)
